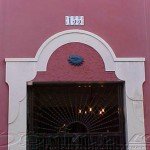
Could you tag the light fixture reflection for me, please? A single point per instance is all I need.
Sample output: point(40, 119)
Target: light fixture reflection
point(80, 111)
point(90, 109)
point(103, 110)
point(100, 112)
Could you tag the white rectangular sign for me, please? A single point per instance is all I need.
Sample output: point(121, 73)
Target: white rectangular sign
point(74, 20)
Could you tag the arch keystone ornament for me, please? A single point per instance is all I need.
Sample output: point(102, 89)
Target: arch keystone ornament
point(19, 71)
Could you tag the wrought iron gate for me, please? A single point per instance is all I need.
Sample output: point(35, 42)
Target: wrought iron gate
point(75, 117)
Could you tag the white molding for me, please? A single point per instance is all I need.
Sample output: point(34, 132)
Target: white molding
point(21, 70)
point(116, 60)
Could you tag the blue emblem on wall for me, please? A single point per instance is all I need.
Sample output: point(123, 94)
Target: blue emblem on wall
point(75, 60)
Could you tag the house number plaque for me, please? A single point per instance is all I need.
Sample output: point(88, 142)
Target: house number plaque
point(74, 20)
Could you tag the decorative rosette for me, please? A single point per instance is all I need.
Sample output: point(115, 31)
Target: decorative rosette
point(75, 60)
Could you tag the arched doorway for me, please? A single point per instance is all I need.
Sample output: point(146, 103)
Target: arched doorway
point(125, 69)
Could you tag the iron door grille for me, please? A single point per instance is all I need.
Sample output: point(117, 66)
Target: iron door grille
point(75, 116)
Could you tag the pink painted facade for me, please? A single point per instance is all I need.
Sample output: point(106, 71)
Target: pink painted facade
point(25, 25)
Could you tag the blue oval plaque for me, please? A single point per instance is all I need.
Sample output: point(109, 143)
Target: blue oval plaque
point(75, 60)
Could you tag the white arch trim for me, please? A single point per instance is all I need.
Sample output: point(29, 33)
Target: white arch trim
point(19, 71)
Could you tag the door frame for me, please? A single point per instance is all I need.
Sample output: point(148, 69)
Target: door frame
point(20, 71)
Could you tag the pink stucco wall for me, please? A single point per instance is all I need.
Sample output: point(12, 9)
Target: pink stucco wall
point(26, 24)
